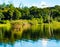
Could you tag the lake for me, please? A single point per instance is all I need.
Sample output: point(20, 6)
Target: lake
point(34, 36)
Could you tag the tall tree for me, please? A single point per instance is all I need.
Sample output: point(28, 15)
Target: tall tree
point(1, 15)
point(17, 14)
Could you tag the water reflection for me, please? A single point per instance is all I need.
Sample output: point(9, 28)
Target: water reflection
point(44, 42)
point(35, 36)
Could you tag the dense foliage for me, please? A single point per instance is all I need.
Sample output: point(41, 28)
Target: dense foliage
point(9, 12)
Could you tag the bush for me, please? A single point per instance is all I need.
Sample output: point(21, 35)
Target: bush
point(4, 21)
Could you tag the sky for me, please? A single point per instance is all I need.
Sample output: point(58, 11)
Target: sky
point(29, 3)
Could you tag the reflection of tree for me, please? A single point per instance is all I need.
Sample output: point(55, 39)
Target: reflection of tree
point(1, 35)
point(12, 45)
point(33, 33)
point(20, 43)
point(5, 45)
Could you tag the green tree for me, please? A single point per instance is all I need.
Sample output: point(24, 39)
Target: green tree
point(26, 13)
point(2, 6)
point(36, 12)
point(1, 15)
point(17, 14)
point(11, 11)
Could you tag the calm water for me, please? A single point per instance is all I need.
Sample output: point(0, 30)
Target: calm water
point(34, 36)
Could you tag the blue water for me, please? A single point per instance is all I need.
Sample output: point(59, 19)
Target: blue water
point(30, 43)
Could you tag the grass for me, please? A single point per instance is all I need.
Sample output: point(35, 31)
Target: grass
point(6, 26)
point(28, 23)
point(56, 25)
